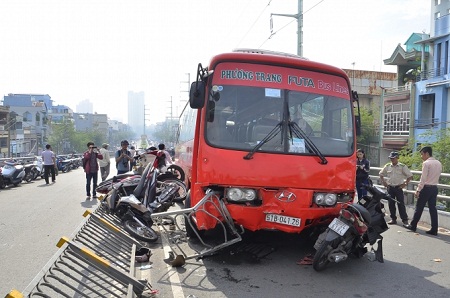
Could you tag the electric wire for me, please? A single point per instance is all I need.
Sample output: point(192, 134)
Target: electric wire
point(251, 27)
point(273, 33)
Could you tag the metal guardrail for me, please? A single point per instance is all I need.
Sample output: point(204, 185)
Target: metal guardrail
point(411, 188)
point(97, 262)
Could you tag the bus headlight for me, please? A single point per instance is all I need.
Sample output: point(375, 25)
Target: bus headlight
point(240, 194)
point(325, 199)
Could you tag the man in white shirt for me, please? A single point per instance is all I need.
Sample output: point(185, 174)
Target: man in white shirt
point(427, 190)
point(49, 162)
point(105, 162)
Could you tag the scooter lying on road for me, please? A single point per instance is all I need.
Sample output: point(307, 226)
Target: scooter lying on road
point(148, 197)
point(358, 224)
point(13, 173)
point(126, 184)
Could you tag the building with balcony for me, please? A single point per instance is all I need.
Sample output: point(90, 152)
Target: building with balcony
point(28, 124)
point(432, 97)
point(397, 103)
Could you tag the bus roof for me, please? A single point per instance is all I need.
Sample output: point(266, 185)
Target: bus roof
point(275, 58)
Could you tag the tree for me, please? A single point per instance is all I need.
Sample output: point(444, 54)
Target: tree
point(441, 151)
point(369, 123)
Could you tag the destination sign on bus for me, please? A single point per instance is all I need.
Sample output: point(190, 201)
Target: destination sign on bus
point(280, 77)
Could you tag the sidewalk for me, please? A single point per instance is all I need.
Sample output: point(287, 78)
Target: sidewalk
point(443, 217)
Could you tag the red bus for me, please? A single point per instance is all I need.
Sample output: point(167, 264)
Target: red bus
point(272, 135)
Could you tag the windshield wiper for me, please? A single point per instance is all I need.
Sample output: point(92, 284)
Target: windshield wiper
point(276, 130)
point(299, 133)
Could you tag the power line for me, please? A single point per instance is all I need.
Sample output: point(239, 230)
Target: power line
point(273, 33)
point(251, 27)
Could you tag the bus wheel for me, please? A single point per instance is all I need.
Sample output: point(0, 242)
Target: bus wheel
point(190, 225)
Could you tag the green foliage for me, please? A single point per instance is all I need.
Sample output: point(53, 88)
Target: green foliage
point(369, 120)
point(440, 142)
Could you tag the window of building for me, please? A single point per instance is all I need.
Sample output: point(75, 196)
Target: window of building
point(27, 117)
point(38, 119)
point(426, 108)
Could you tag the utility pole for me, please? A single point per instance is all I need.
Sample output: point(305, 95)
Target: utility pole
point(299, 17)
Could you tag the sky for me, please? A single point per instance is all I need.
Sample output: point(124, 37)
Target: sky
point(99, 50)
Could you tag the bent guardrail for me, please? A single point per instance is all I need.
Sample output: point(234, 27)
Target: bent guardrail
point(97, 262)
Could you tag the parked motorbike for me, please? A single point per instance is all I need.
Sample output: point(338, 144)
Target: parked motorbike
point(2, 185)
point(38, 170)
point(29, 172)
point(66, 165)
point(13, 173)
point(135, 210)
point(358, 224)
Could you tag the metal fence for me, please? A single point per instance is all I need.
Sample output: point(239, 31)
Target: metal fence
point(411, 189)
point(97, 262)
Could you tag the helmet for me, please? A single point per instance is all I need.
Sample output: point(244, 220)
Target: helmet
point(124, 142)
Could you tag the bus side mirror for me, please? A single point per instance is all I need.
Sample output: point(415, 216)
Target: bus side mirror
point(358, 125)
point(197, 95)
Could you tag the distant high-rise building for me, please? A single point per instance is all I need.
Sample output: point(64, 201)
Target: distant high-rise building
point(85, 106)
point(136, 111)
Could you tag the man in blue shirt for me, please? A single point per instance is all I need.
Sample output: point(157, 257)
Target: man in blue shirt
point(123, 158)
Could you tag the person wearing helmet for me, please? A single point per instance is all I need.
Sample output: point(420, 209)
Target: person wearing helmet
point(123, 158)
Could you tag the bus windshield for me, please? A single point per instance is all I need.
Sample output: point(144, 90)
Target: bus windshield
point(240, 117)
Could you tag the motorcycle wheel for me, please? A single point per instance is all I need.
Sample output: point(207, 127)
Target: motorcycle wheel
point(320, 260)
point(145, 234)
point(35, 174)
point(177, 171)
point(190, 230)
point(2, 184)
point(182, 191)
point(29, 177)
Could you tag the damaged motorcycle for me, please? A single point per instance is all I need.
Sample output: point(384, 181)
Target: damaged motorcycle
point(358, 225)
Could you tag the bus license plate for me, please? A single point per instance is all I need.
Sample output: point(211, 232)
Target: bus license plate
point(338, 226)
point(284, 220)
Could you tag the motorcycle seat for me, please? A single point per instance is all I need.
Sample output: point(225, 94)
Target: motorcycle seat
point(364, 213)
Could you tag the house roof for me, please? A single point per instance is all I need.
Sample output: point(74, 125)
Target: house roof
point(401, 57)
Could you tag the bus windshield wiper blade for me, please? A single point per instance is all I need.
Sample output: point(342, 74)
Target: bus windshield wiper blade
point(276, 130)
point(299, 133)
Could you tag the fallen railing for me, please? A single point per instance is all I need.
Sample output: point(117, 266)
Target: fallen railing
point(97, 262)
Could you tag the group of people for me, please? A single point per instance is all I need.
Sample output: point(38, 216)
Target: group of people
point(95, 159)
point(395, 176)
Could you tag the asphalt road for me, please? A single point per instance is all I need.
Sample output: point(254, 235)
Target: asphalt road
point(33, 217)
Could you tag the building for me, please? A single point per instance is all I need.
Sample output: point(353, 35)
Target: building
point(136, 112)
point(29, 123)
point(418, 107)
point(432, 97)
point(85, 106)
point(90, 122)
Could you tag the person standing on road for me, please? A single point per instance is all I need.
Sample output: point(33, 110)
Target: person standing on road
point(49, 161)
point(398, 175)
point(362, 173)
point(133, 155)
point(427, 190)
point(105, 162)
point(123, 158)
point(90, 166)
